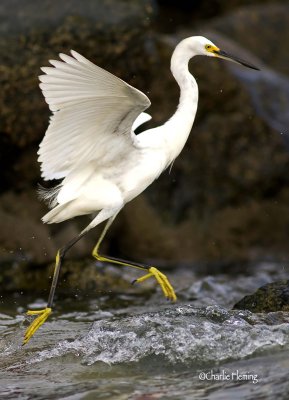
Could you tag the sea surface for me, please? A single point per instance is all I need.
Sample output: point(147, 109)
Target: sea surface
point(131, 346)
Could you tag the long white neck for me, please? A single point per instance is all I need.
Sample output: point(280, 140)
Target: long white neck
point(178, 127)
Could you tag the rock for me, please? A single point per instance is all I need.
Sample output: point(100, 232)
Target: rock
point(268, 298)
point(270, 88)
point(223, 199)
point(261, 30)
point(85, 276)
point(105, 14)
point(226, 197)
point(230, 235)
point(110, 33)
point(24, 238)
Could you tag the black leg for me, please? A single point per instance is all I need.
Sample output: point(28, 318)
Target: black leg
point(43, 314)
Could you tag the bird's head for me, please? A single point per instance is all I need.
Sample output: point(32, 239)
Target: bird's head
point(200, 45)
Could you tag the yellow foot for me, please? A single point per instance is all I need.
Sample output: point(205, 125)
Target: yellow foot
point(162, 281)
point(32, 328)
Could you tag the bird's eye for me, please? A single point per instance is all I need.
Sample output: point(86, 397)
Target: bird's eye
point(208, 47)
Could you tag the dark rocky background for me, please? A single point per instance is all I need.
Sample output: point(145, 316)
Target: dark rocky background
point(225, 201)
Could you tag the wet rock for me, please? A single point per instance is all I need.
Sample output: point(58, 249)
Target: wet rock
point(260, 29)
point(126, 14)
point(24, 238)
point(84, 277)
point(270, 88)
point(175, 14)
point(268, 298)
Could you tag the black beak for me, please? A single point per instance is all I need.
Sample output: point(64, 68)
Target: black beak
point(227, 56)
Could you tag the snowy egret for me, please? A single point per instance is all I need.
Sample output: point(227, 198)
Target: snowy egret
point(91, 145)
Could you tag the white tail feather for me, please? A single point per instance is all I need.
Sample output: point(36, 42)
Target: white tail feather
point(49, 196)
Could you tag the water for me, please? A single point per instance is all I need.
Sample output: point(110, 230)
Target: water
point(127, 346)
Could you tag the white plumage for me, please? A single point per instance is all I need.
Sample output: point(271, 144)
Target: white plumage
point(90, 142)
point(90, 105)
point(90, 139)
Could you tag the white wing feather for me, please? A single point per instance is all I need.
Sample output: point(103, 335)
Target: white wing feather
point(93, 113)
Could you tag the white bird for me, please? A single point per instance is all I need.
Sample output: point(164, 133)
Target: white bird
point(91, 145)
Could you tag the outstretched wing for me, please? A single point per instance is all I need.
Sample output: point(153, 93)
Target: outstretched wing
point(93, 113)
